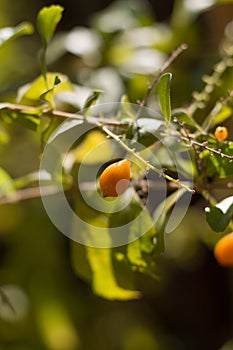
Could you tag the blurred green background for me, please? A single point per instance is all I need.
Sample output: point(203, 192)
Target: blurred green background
point(190, 305)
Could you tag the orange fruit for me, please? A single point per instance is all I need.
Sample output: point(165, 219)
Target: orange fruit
point(223, 250)
point(221, 133)
point(115, 179)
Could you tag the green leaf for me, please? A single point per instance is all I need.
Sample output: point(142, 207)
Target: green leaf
point(92, 149)
point(30, 94)
point(218, 115)
point(47, 21)
point(28, 118)
point(220, 215)
point(104, 281)
point(161, 218)
point(181, 116)
point(10, 33)
point(125, 274)
point(92, 98)
point(164, 95)
point(140, 245)
point(137, 224)
point(97, 265)
point(48, 95)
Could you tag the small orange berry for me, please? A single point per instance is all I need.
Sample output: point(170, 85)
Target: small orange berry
point(223, 250)
point(221, 133)
point(115, 179)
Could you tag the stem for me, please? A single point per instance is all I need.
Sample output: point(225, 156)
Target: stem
point(27, 193)
point(208, 197)
point(204, 145)
point(193, 143)
point(44, 110)
point(143, 161)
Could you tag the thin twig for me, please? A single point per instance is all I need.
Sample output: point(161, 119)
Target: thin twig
point(166, 64)
point(190, 140)
point(44, 110)
point(28, 193)
point(205, 146)
point(193, 143)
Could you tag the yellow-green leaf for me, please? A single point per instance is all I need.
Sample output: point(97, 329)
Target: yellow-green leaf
point(47, 21)
point(30, 94)
point(104, 281)
point(10, 33)
point(164, 95)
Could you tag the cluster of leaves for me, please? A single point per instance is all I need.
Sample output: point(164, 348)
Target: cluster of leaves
point(45, 102)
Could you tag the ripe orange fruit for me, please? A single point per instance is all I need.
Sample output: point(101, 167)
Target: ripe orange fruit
point(221, 133)
point(115, 179)
point(223, 250)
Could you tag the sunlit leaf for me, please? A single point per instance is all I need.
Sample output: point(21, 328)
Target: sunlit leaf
point(28, 118)
point(92, 98)
point(182, 117)
point(164, 95)
point(48, 96)
point(98, 267)
point(47, 21)
point(219, 114)
point(104, 280)
point(220, 215)
point(10, 33)
point(95, 148)
point(31, 93)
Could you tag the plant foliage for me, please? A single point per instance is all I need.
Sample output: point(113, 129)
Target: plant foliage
point(157, 147)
